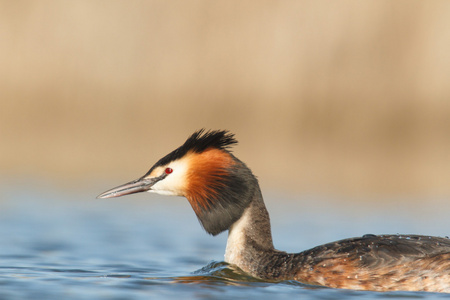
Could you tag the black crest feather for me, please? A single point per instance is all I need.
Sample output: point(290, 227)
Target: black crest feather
point(198, 142)
point(201, 140)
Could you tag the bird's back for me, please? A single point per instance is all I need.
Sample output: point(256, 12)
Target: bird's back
point(379, 263)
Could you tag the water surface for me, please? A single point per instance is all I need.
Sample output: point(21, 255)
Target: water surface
point(59, 244)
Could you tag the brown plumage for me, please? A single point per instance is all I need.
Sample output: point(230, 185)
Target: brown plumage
point(225, 195)
point(380, 263)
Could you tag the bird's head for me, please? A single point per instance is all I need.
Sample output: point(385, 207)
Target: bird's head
point(218, 185)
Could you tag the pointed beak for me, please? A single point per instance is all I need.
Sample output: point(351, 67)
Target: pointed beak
point(135, 186)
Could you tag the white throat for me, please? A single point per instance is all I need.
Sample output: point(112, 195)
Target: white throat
point(236, 240)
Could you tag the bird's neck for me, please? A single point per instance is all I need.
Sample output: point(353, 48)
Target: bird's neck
point(250, 238)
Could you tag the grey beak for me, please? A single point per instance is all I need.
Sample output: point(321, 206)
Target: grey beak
point(135, 186)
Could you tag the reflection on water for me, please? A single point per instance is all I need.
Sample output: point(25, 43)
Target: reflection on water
point(59, 245)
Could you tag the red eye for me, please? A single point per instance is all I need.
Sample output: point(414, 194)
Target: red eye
point(168, 170)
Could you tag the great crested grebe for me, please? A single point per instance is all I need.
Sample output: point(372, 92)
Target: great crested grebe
point(225, 195)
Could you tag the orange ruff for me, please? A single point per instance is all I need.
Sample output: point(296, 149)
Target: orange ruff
point(206, 177)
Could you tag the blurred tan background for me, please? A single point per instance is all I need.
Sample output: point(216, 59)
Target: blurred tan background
point(340, 97)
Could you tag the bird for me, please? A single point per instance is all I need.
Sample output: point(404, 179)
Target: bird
point(225, 196)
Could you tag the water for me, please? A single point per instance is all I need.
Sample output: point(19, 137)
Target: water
point(58, 244)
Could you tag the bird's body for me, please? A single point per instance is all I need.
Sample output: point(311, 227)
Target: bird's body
point(225, 195)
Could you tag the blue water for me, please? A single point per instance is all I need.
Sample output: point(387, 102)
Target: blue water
point(65, 244)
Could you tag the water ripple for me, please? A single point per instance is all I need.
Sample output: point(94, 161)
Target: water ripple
point(56, 246)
